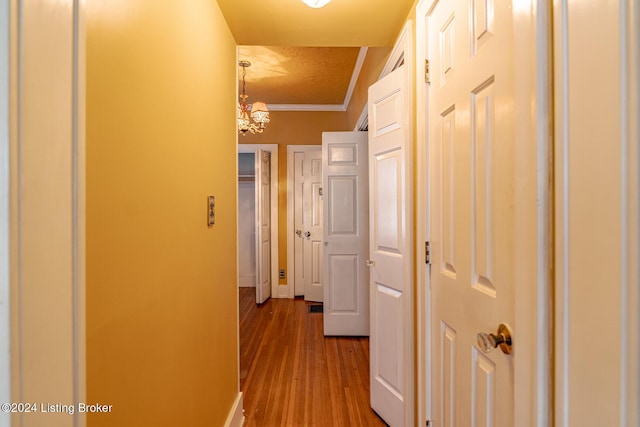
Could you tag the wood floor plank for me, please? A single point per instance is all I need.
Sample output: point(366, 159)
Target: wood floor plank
point(291, 375)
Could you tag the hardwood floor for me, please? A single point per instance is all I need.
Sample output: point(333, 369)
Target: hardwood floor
point(291, 375)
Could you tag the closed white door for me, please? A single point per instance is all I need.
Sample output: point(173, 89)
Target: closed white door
point(471, 151)
point(312, 225)
point(263, 222)
point(390, 257)
point(346, 233)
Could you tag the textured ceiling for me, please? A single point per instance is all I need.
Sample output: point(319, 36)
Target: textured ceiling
point(271, 34)
point(298, 75)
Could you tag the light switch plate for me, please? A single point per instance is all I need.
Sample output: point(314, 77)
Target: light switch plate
point(211, 209)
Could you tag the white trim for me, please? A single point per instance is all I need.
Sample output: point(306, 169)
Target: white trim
point(284, 291)
point(533, 293)
point(273, 148)
point(291, 149)
point(561, 214)
point(5, 331)
point(630, 185)
point(74, 379)
point(235, 418)
point(633, 212)
point(354, 77)
point(362, 54)
point(423, 294)
point(405, 44)
point(79, 211)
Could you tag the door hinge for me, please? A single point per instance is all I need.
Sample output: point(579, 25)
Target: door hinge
point(426, 71)
point(429, 424)
point(427, 254)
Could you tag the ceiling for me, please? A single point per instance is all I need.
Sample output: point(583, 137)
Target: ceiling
point(302, 57)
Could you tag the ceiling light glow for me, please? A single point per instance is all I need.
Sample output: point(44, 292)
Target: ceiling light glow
point(316, 4)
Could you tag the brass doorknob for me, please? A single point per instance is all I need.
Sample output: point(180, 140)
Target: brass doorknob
point(488, 342)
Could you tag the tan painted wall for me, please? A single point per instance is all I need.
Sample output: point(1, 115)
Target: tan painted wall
point(162, 315)
point(293, 128)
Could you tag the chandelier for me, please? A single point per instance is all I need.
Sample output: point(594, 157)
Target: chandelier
point(258, 111)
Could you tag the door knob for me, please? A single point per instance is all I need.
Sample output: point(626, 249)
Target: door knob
point(299, 233)
point(488, 342)
point(307, 234)
point(370, 263)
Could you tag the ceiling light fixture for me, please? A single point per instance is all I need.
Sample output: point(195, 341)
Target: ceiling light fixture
point(258, 111)
point(316, 4)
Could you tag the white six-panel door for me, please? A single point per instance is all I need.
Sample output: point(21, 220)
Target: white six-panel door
point(346, 233)
point(263, 222)
point(391, 257)
point(312, 225)
point(471, 151)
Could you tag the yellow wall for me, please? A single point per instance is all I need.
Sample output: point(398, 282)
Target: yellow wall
point(161, 287)
point(292, 128)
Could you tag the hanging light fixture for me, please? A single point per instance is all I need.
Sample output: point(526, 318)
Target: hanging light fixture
point(258, 111)
point(316, 4)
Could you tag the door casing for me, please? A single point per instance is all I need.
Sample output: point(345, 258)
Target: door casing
point(5, 331)
point(56, 292)
point(273, 148)
point(291, 150)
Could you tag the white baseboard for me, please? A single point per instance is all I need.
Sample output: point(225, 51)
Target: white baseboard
point(283, 291)
point(236, 416)
point(247, 280)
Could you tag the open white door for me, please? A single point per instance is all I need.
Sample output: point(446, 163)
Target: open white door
point(263, 222)
point(471, 151)
point(346, 233)
point(391, 257)
point(312, 225)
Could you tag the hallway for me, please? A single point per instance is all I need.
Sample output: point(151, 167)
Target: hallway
point(291, 375)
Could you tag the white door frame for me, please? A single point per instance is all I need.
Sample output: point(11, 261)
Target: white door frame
point(612, 393)
point(291, 149)
point(17, 240)
point(533, 71)
point(5, 331)
point(273, 148)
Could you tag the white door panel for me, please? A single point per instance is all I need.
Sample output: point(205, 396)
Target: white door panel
point(263, 220)
point(471, 152)
point(346, 233)
point(312, 225)
point(391, 253)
